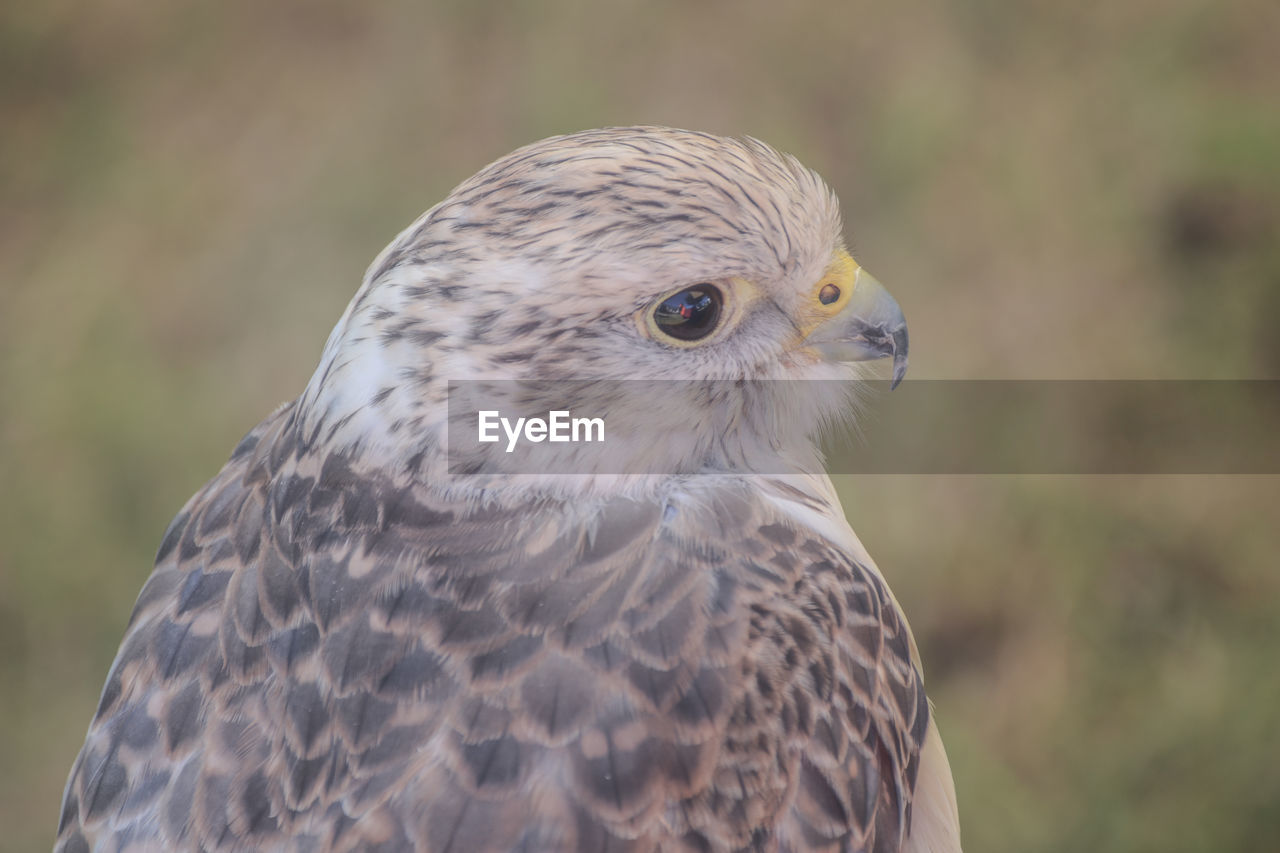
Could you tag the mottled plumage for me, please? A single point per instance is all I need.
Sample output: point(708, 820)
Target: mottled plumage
point(342, 647)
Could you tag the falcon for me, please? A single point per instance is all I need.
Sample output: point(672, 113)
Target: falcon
point(347, 643)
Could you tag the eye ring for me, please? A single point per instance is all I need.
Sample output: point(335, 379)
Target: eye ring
point(829, 293)
point(689, 315)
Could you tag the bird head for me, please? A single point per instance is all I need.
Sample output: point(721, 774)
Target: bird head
point(644, 253)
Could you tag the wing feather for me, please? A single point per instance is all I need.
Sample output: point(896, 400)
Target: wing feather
point(326, 659)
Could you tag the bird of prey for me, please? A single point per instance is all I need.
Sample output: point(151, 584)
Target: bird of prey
point(348, 645)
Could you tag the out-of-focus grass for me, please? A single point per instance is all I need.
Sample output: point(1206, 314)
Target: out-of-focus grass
point(1099, 651)
point(189, 193)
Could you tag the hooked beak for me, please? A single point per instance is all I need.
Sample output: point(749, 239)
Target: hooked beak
point(868, 327)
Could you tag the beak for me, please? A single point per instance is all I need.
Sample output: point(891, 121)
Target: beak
point(868, 327)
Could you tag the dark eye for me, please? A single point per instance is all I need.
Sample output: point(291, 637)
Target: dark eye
point(690, 314)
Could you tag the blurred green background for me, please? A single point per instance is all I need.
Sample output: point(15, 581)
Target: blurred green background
point(189, 194)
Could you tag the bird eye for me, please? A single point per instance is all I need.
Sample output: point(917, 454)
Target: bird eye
point(691, 314)
point(829, 293)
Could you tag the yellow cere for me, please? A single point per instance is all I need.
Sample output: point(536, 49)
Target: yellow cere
point(842, 273)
